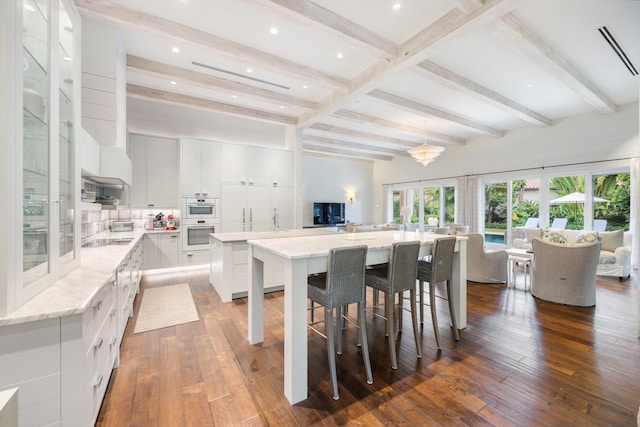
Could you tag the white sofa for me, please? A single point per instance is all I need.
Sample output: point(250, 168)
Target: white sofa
point(615, 255)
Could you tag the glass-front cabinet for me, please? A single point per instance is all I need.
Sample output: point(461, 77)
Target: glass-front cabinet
point(46, 39)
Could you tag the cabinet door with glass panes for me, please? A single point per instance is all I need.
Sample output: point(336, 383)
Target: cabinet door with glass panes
point(49, 126)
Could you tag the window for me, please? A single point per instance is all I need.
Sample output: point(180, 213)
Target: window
point(613, 210)
point(495, 216)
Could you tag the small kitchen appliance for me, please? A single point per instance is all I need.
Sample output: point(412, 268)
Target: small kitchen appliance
point(159, 223)
point(171, 223)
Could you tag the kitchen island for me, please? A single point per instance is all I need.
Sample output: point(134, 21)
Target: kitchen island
point(302, 256)
point(229, 269)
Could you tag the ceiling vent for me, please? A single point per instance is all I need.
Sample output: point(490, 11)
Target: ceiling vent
point(618, 50)
point(220, 70)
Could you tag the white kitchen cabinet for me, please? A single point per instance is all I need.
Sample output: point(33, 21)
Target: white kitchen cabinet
point(30, 360)
point(282, 204)
point(39, 130)
point(232, 164)
point(245, 208)
point(281, 165)
point(89, 348)
point(156, 170)
point(200, 168)
point(161, 250)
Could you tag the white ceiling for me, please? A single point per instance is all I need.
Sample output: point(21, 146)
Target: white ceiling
point(462, 69)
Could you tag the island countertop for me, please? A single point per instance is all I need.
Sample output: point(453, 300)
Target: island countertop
point(243, 236)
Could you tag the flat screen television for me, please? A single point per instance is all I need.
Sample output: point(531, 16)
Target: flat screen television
point(328, 213)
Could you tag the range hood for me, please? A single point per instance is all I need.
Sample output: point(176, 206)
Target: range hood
point(104, 165)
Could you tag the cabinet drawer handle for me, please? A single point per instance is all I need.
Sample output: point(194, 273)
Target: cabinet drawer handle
point(173, 236)
point(98, 381)
point(98, 344)
point(150, 205)
point(189, 254)
point(97, 305)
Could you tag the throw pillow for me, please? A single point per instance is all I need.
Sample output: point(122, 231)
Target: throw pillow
point(611, 240)
point(585, 237)
point(532, 233)
point(554, 236)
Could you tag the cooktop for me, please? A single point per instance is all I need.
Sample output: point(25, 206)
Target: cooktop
point(106, 242)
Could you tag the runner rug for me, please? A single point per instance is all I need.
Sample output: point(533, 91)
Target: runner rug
point(165, 306)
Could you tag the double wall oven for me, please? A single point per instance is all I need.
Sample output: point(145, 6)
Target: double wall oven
point(200, 219)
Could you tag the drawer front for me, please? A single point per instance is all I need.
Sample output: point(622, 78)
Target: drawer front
point(98, 312)
point(99, 362)
point(195, 258)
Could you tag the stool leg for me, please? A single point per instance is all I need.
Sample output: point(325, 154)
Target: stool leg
point(362, 324)
point(434, 318)
point(414, 320)
point(389, 308)
point(452, 311)
point(331, 351)
point(420, 297)
point(339, 321)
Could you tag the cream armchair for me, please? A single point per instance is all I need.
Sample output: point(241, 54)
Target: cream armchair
point(485, 266)
point(565, 274)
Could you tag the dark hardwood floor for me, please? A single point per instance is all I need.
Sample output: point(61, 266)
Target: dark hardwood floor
point(519, 362)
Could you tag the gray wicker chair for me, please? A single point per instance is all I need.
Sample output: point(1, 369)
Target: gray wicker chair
point(485, 266)
point(343, 284)
point(439, 269)
point(565, 274)
point(397, 276)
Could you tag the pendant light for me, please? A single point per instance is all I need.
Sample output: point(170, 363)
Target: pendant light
point(425, 153)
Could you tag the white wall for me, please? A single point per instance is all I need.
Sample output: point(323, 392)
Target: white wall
point(329, 180)
point(151, 118)
point(581, 139)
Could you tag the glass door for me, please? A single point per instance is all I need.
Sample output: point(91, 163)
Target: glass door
point(66, 143)
point(36, 145)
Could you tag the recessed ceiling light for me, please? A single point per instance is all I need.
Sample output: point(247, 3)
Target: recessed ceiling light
point(282, 107)
point(234, 96)
point(305, 86)
point(173, 82)
point(339, 55)
point(249, 70)
point(396, 7)
point(175, 49)
point(529, 85)
point(274, 30)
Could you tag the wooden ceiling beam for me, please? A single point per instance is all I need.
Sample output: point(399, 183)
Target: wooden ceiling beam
point(416, 107)
point(416, 50)
point(353, 145)
point(319, 148)
point(467, 6)
point(368, 136)
point(135, 20)
point(205, 81)
point(398, 127)
point(186, 101)
point(463, 85)
point(516, 34)
point(308, 13)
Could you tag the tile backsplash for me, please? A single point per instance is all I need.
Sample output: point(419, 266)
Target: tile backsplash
point(95, 220)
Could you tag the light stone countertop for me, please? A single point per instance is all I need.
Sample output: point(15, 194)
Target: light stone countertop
point(243, 236)
point(74, 293)
point(310, 246)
